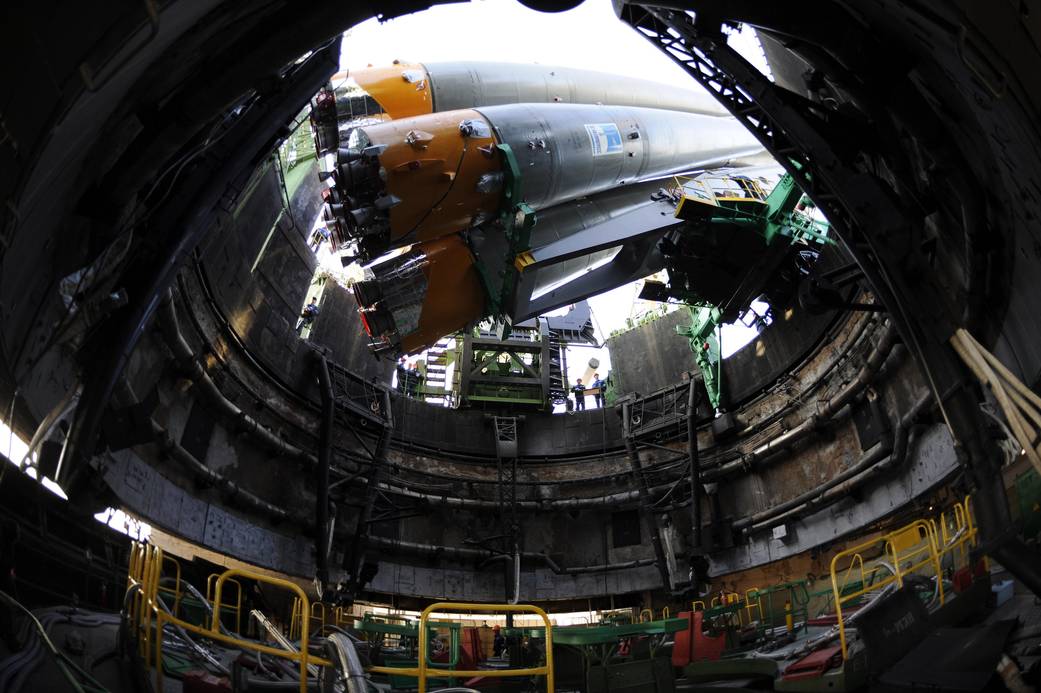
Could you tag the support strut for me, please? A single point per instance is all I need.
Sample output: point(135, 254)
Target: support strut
point(884, 236)
point(645, 499)
point(323, 531)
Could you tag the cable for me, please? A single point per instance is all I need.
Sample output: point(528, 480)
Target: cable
point(1018, 403)
point(455, 177)
point(59, 657)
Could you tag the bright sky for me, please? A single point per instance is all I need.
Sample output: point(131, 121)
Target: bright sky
point(588, 37)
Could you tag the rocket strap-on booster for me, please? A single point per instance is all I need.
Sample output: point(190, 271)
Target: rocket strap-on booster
point(403, 315)
point(411, 180)
point(412, 89)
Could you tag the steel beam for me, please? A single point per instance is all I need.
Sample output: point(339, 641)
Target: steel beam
point(883, 235)
point(645, 499)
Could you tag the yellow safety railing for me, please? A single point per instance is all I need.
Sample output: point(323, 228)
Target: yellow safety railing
point(648, 613)
point(176, 590)
point(956, 538)
point(319, 611)
point(238, 598)
point(711, 188)
point(696, 603)
point(342, 616)
point(295, 618)
point(914, 547)
point(144, 575)
point(664, 613)
point(423, 670)
point(321, 616)
point(752, 603)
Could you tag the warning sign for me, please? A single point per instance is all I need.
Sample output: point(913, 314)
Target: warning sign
point(604, 138)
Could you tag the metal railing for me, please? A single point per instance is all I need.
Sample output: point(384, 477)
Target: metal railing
point(919, 546)
point(238, 601)
point(423, 670)
point(711, 188)
point(147, 617)
point(176, 590)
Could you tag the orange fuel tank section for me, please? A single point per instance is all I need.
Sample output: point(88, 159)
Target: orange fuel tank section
point(442, 169)
point(455, 295)
point(409, 302)
point(402, 90)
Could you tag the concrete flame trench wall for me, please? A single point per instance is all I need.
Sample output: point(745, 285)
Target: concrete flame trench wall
point(262, 312)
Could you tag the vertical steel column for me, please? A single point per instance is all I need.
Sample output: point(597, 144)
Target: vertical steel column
point(355, 557)
point(695, 468)
point(323, 531)
point(506, 456)
point(880, 235)
point(645, 499)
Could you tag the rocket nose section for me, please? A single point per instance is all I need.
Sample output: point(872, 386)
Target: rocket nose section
point(402, 90)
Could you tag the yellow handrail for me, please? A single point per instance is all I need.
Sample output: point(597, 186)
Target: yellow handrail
point(322, 617)
point(295, 617)
point(665, 613)
point(238, 600)
point(340, 616)
point(144, 573)
point(421, 671)
point(910, 548)
point(176, 591)
point(650, 615)
point(750, 594)
point(694, 605)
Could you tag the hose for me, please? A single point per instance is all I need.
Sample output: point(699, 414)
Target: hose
point(349, 664)
point(59, 657)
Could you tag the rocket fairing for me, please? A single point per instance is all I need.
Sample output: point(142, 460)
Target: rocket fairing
point(404, 90)
point(415, 179)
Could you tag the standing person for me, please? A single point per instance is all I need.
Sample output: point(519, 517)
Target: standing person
point(598, 385)
point(307, 315)
point(402, 372)
point(580, 395)
point(498, 642)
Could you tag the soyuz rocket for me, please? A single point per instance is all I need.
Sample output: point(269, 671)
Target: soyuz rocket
point(449, 188)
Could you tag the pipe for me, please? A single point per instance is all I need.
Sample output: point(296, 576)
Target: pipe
point(584, 569)
point(645, 499)
point(354, 558)
point(350, 663)
point(466, 553)
point(695, 467)
point(887, 454)
point(209, 477)
point(325, 445)
point(186, 360)
point(516, 576)
point(814, 421)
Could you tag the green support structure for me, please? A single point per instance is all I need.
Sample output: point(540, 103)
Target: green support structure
point(705, 345)
point(783, 214)
point(516, 219)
